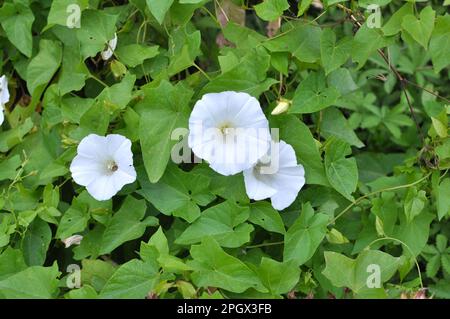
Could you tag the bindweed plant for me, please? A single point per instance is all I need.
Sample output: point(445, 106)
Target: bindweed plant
point(224, 149)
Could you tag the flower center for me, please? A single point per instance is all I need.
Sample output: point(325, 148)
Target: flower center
point(112, 166)
point(226, 128)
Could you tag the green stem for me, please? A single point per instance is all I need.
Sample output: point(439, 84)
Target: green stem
point(407, 247)
point(346, 209)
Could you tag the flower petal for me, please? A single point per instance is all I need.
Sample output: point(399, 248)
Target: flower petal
point(84, 170)
point(288, 182)
point(93, 146)
point(4, 92)
point(120, 149)
point(256, 188)
point(247, 140)
point(111, 46)
point(102, 188)
point(2, 116)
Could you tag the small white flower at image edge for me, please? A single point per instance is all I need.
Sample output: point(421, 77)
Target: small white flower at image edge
point(110, 48)
point(229, 130)
point(4, 96)
point(281, 186)
point(103, 165)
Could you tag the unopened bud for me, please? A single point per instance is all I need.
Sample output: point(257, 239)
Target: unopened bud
point(282, 107)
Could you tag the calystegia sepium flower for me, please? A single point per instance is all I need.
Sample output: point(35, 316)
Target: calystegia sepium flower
point(103, 164)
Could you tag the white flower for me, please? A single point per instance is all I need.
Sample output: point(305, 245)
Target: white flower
point(103, 164)
point(111, 46)
point(4, 96)
point(281, 180)
point(229, 130)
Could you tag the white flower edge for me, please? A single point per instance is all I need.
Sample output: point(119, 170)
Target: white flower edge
point(219, 117)
point(111, 47)
point(103, 165)
point(281, 186)
point(4, 96)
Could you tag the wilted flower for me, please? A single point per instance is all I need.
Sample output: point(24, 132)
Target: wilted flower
point(4, 96)
point(72, 240)
point(278, 176)
point(229, 130)
point(103, 164)
point(109, 50)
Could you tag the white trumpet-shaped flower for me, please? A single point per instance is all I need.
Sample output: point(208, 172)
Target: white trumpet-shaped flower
point(109, 50)
point(277, 175)
point(229, 130)
point(4, 96)
point(103, 164)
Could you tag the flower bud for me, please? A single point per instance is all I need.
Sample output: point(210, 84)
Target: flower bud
point(282, 107)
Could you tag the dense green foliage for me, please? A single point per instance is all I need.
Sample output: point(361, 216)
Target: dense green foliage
point(368, 121)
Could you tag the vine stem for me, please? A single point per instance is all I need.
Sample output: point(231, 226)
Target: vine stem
point(407, 247)
point(389, 189)
point(346, 209)
point(403, 81)
point(202, 71)
point(265, 244)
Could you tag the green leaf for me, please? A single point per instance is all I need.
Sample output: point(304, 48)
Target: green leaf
point(159, 8)
point(74, 220)
point(11, 262)
point(43, 66)
point(304, 237)
point(85, 292)
point(178, 193)
point(420, 29)
point(414, 234)
point(313, 95)
point(60, 12)
point(342, 172)
point(433, 265)
point(278, 277)
point(249, 76)
point(296, 133)
point(414, 203)
point(32, 283)
point(354, 273)
point(36, 242)
point(224, 222)
point(135, 54)
point(270, 10)
point(12, 137)
point(215, 268)
point(335, 124)
point(365, 43)
point(443, 198)
point(333, 53)
point(8, 167)
point(96, 273)
point(97, 28)
point(264, 215)
point(394, 25)
point(301, 40)
point(184, 49)
point(73, 71)
point(17, 19)
point(163, 109)
point(133, 280)
point(440, 43)
point(125, 225)
point(342, 80)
